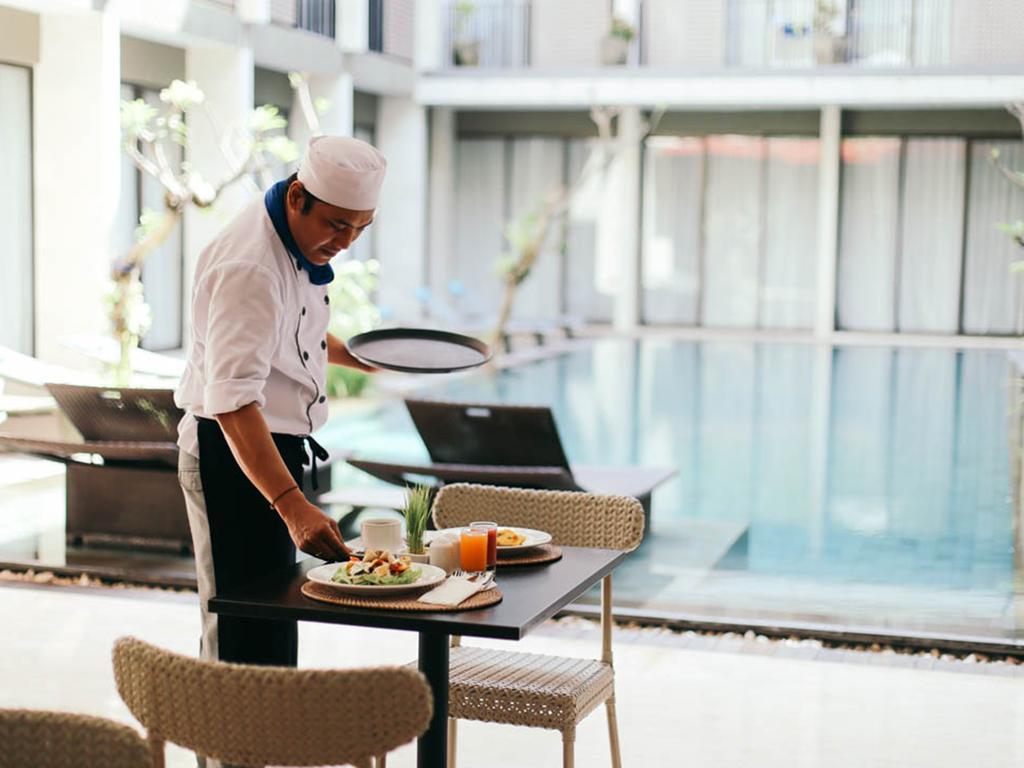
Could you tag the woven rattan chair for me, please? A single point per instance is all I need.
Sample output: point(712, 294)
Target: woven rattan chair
point(35, 739)
point(529, 689)
point(251, 715)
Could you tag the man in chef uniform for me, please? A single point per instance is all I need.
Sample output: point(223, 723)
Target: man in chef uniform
point(254, 388)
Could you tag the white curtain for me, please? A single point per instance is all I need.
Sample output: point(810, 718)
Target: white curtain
point(480, 206)
point(16, 287)
point(584, 298)
point(992, 296)
point(931, 241)
point(881, 32)
point(788, 288)
point(673, 190)
point(536, 171)
point(868, 229)
point(732, 231)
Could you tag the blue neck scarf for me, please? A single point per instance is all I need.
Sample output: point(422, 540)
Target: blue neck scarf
point(274, 200)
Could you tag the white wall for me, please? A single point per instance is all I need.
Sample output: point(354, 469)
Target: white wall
point(77, 174)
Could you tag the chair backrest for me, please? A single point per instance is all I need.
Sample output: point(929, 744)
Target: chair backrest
point(270, 715)
point(572, 518)
point(37, 739)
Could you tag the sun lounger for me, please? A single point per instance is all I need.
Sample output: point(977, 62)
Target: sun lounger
point(512, 445)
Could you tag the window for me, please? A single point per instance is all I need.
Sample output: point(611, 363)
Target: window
point(16, 288)
point(729, 231)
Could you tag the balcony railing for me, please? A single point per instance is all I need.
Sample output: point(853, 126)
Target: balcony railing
point(492, 33)
point(758, 34)
point(807, 33)
point(316, 16)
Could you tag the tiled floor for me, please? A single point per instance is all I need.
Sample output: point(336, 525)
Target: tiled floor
point(685, 699)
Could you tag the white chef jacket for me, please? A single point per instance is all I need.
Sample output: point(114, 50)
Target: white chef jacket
point(259, 333)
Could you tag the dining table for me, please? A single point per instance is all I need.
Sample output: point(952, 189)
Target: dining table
point(530, 596)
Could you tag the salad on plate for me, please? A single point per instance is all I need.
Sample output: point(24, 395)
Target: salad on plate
point(379, 568)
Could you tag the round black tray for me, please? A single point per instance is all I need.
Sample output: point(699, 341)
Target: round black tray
point(419, 350)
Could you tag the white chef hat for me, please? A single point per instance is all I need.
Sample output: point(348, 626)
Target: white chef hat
point(344, 172)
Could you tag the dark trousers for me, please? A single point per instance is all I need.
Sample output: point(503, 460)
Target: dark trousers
point(248, 541)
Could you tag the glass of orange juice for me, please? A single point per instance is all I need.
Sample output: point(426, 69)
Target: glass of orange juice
point(473, 550)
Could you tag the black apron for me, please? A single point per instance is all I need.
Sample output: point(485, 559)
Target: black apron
point(249, 540)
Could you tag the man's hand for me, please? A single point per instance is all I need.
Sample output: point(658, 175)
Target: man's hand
point(252, 446)
point(338, 354)
point(312, 531)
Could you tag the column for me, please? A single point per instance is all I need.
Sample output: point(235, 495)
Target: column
point(428, 36)
point(77, 145)
point(618, 228)
point(441, 200)
point(225, 75)
point(401, 234)
point(828, 220)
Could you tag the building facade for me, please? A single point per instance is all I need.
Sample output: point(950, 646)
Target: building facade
point(814, 167)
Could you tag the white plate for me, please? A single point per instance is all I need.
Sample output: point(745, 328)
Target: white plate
point(534, 538)
point(430, 575)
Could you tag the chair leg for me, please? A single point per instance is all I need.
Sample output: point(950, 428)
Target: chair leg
point(452, 740)
point(568, 741)
point(382, 761)
point(156, 752)
point(613, 732)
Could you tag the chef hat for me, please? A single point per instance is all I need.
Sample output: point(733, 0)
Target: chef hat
point(344, 172)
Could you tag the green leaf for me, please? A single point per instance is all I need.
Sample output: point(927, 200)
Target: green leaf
point(266, 118)
point(281, 147)
point(136, 117)
point(182, 95)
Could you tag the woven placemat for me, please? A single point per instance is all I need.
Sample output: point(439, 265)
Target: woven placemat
point(548, 553)
point(404, 602)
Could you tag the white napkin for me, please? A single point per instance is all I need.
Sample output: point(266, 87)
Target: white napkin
point(451, 591)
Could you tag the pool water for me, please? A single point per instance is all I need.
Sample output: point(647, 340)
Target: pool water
point(868, 487)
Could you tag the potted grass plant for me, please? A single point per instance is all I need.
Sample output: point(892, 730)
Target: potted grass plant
point(615, 45)
point(416, 512)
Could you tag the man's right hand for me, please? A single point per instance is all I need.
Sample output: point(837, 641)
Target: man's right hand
point(312, 531)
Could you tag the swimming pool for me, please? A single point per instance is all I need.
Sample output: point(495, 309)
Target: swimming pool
point(852, 486)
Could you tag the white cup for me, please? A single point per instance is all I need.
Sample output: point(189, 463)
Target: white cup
point(382, 533)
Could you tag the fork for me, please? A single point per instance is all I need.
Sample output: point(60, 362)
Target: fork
point(481, 581)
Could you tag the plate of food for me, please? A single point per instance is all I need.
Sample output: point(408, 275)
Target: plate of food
point(377, 572)
point(511, 538)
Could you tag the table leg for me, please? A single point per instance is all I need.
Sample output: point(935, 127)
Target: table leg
point(432, 749)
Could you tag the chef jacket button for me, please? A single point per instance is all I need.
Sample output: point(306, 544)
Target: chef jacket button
point(327, 299)
point(323, 399)
point(303, 310)
point(305, 355)
point(323, 345)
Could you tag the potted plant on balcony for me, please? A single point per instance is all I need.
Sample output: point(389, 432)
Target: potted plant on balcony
point(828, 40)
point(615, 45)
point(465, 47)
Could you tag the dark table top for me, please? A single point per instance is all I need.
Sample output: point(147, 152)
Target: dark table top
point(532, 594)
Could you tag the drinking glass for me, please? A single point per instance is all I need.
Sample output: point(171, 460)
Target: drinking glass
point(491, 529)
point(473, 551)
